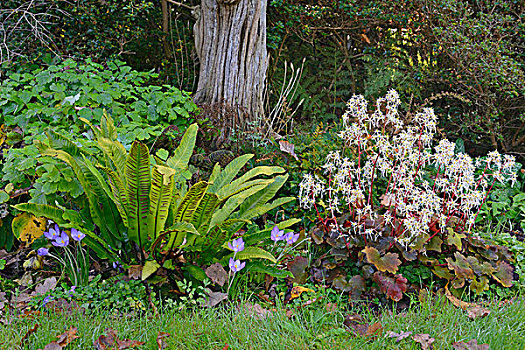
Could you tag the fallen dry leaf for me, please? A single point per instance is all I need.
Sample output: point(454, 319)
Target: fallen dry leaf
point(255, 310)
point(477, 312)
point(374, 330)
point(297, 291)
point(28, 333)
point(398, 336)
point(288, 147)
point(53, 346)
point(311, 301)
point(215, 298)
point(356, 323)
point(128, 344)
point(331, 307)
point(48, 284)
point(217, 274)
point(425, 340)
point(63, 339)
point(111, 341)
point(471, 345)
point(457, 302)
point(104, 341)
point(290, 313)
point(135, 272)
point(160, 340)
point(67, 337)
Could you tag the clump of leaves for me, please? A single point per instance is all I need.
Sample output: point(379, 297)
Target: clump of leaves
point(114, 293)
point(403, 204)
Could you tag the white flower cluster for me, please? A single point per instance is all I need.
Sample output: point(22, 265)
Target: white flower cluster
point(400, 157)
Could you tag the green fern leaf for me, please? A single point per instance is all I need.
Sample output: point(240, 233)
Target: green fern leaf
point(248, 207)
point(190, 202)
point(160, 197)
point(181, 156)
point(43, 210)
point(229, 172)
point(202, 216)
point(227, 190)
point(254, 253)
point(138, 178)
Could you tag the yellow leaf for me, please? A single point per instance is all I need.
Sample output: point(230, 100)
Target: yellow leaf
point(27, 227)
point(297, 291)
point(149, 269)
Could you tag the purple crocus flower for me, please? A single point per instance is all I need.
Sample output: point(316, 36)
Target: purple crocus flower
point(72, 291)
point(52, 233)
point(291, 238)
point(47, 300)
point(236, 265)
point(42, 251)
point(277, 235)
point(237, 245)
point(61, 241)
point(77, 235)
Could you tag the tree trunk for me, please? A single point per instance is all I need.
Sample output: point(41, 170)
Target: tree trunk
point(165, 28)
point(230, 40)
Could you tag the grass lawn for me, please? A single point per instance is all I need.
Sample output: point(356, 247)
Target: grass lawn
point(308, 328)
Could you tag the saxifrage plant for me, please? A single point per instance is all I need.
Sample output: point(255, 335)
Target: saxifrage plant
point(389, 199)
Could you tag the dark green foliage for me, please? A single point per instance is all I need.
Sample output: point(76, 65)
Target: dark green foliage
point(463, 58)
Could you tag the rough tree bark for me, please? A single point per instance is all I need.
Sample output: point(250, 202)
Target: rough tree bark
point(230, 39)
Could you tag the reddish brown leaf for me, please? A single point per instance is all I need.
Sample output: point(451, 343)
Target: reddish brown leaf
point(331, 307)
point(105, 341)
point(392, 287)
point(425, 340)
point(128, 344)
point(111, 341)
point(471, 345)
point(374, 330)
point(477, 312)
point(389, 262)
point(226, 347)
point(67, 337)
point(355, 286)
point(298, 268)
point(28, 333)
point(217, 274)
point(160, 340)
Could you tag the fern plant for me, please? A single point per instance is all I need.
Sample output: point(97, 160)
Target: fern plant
point(137, 203)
